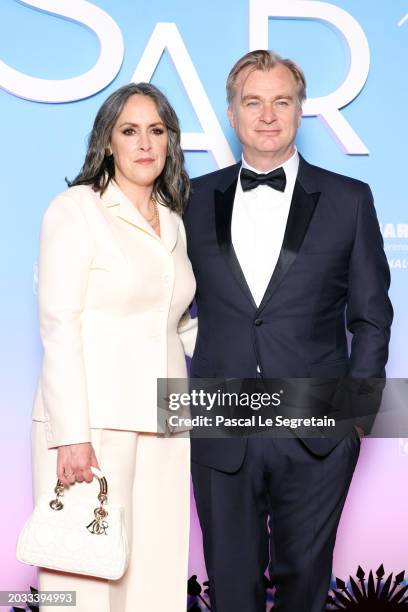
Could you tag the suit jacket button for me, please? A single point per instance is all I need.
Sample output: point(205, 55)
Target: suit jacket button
point(258, 322)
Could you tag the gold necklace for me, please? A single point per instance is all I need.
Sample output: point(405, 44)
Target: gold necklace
point(155, 219)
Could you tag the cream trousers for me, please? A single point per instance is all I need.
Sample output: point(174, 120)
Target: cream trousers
point(150, 477)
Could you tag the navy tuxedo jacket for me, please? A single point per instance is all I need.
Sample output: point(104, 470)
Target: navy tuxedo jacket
point(331, 274)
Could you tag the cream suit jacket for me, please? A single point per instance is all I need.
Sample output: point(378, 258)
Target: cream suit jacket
point(112, 307)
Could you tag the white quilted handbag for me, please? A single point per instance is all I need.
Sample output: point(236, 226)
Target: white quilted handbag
point(75, 536)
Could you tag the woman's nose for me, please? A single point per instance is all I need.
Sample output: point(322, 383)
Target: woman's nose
point(144, 141)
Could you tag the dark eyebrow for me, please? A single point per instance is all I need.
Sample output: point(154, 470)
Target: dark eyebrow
point(130, 124)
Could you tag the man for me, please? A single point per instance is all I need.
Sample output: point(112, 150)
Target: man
point(286, 256)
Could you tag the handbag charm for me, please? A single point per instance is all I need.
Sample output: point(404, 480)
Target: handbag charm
point(99, 525)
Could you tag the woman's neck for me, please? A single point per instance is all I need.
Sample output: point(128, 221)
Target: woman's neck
point(139, 195)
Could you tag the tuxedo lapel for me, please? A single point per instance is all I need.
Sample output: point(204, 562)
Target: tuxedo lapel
point(301, 211)
point(300, 214)
point(224, 203)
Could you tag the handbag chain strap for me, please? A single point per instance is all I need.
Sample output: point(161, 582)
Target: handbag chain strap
point(99, 524)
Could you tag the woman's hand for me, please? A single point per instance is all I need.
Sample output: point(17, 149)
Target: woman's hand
point(74, 463)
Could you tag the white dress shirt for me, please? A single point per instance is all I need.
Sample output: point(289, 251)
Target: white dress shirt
point(258, 225)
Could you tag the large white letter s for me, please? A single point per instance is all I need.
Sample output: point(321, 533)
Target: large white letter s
point(99, 76)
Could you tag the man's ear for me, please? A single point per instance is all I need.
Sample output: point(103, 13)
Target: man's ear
point(230, 115)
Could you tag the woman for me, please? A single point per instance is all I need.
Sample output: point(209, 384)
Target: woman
point(114, 288)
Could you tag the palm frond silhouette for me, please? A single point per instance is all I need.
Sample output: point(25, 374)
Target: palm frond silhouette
point(362, 593)
point(370, 594)
point(32, 607)
point(194, 591)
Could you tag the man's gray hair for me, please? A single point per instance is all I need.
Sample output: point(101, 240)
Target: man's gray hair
point(265, 60)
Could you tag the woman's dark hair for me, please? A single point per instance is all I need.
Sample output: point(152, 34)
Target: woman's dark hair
point(172, 186)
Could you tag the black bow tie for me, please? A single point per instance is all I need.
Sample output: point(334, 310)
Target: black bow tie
point(275, 179)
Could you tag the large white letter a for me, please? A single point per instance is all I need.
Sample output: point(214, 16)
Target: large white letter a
point(167, 36)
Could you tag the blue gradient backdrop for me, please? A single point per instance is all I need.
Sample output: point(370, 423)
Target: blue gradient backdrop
point(43, 143)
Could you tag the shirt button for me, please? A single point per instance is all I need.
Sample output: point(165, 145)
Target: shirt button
point(258, 322)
